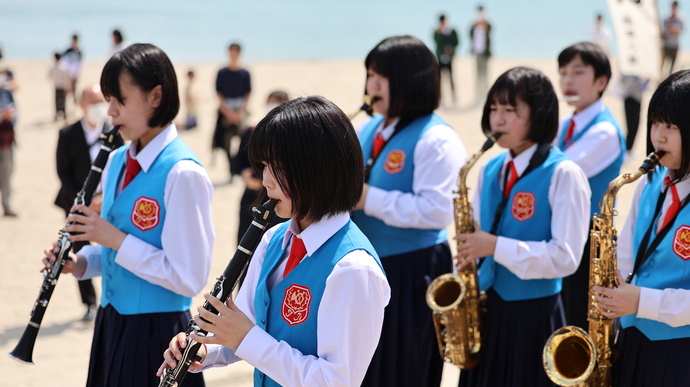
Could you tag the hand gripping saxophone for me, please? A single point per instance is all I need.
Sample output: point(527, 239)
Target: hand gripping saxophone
point(24, 349)
point(222, 289)
point(455, 299)
point(573, 357)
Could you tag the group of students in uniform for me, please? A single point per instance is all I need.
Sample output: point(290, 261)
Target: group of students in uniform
point(335, 296)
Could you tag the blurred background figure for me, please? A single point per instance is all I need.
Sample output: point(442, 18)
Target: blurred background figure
point(8, 119)
point(600, 34)
point(190, 101)
point(119, 43)
point(631, 89)
point(78, 145)
point(446, 39)
point(480, 35)
point(72, 58)
point(233, 85)
point(61, 80)
point(673, 26)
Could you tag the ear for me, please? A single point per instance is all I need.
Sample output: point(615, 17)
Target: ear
point(155, 96)
point(601, 83)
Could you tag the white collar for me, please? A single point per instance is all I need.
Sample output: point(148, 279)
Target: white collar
point(317, 233)
point(521, 161)
point(583, 118)
point(151, 151)
point(387, 132)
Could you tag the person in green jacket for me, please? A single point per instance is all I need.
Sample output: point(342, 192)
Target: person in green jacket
point(446, 41)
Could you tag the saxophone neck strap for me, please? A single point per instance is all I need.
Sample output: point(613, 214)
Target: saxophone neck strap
point(645, 250)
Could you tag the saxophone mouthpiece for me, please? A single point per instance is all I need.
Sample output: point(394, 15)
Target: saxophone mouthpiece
point(652, 161)
point(490, 141)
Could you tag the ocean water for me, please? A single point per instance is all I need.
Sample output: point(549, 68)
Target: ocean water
point(291, 30)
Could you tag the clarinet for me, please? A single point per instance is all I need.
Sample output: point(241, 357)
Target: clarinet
point(25, 347)
point(222, 290)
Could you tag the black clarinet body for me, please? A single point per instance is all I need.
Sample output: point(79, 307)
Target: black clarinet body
point(222, 289)
point(24, 349)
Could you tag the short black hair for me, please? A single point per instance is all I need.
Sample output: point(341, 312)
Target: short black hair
point(75, 37)
point(190, 73)
point(313, 151)
point(669, 104)
point(57, 56)
point(148, 66)
point(413, 76)
point(591, 55)
point(442, 18)
point(118, 36)
point(235, 46)
point(534, 89)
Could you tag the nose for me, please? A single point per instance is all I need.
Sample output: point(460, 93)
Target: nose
point(267, 179)
point(112, 108)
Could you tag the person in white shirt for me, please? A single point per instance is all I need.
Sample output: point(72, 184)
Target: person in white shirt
point(592, 138)
point(480, 35)
point(413, 161)
point(652, 298)
point(61, 80)
point(532, 208)
point(154, 236)
point(311, 308)
point(600, 34)
point(119, 43)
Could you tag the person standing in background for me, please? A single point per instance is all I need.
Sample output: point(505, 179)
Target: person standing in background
point(8, 120)
point(600, 34)
point(632, 88)
point(233, 85)
point(673, 26)
point(58, 73)
point(190, 102)
point(480, 34)
point(72, 60)
point(119, 43)
point(77, 148)
point(447, 41)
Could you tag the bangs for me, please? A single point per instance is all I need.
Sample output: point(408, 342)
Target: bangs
point(110, 78)
point(265, 149)
point(506, 96)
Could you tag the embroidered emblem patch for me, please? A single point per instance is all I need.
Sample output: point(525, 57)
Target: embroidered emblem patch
point(146, 213)
point(295, 309)
point(523, 206)
point(395, 161)
point(681, 242)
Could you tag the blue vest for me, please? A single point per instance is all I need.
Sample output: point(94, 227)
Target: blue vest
point(394, 171)
point(139, 210)
point(669, 264)
point(599, 182)
point(289, 311)
point(526, 217)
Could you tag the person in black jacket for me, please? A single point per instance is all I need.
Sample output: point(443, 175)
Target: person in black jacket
point(77, 147)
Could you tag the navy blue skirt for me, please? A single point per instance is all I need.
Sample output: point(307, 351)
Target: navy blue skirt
point(407, 354)
point(128, 349)
point(642, 362)
point(514, 339)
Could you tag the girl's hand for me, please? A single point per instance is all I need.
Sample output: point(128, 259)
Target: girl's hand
point(473, 246)
point(362, 199)
point(94, 228)
point(174, 353)
point(72, 265)
point(617, 302)
point(229, 328)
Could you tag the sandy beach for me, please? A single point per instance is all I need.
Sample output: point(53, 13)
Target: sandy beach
point(62, 349)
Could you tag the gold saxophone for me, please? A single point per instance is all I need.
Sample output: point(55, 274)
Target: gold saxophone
point(455, 299)
point(573, 357)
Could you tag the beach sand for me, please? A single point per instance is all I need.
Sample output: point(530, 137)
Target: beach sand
point(62, 350)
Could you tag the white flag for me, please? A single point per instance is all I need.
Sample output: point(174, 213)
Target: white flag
point(638, 37)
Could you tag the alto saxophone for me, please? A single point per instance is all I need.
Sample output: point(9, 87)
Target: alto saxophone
point(455, 299)
point(572, 356)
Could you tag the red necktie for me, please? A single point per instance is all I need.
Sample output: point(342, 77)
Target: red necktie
point(379, 142)
point(569, 132)
point(675, 203)
point(131, 171)
point(297, 252)
point(511, 179)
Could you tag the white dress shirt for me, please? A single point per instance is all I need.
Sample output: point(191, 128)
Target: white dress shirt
point(569, 196)
point(184, 262)
point(669, 306)
point(92, 134)
point(596, 149)
point(350, 317)
point(438, 157)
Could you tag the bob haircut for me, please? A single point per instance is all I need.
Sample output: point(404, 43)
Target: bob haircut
point(534, 89)
point(669, 105)
point(591, 55)
point(147, 67)
point(413, 76)
point(311, 148)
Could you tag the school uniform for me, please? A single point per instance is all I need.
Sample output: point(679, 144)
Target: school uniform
point(541, 231)
point(654, 343)
point(318, 325)
point(165, 259)
point(407, 210)
point(597, 145)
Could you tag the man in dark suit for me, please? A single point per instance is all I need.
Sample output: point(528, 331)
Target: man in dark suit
point(77, 147)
